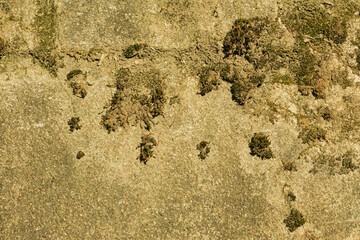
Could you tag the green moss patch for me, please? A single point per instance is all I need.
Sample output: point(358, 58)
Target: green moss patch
point(294, 220)
point(146, 148)
point(260, 146)
point(74, 124)
point(139, 98)
point(204, 149)
point(312, 134)
point(320, 20)
point(45, 26)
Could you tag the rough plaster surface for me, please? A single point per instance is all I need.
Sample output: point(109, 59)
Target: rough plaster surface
point(46, 193)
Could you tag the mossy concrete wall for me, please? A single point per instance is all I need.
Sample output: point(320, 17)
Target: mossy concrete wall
point(47, 193)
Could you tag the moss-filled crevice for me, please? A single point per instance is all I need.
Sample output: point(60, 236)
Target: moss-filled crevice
point(45, 25)
point(139, 98)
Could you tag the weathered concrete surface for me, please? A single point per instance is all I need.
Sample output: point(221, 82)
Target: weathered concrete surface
point(46, 193)
point(164, 24)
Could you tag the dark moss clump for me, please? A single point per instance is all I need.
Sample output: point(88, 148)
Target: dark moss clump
point(139, 98)
point(5, 7)
point(208, 80)
point(326, 114)
point(146, 148)
point(358, 58)
point(260, 146)
point(80, 154)
point(2, 47)
point(74, 124)
point(157, 101)
point(314, 133)
point(347, 162)
point(204, 149)
point(294, 220)
point(291, 196)
point(77, 81)
point(73, 73)
point(244, 32)
point(136, 50)
point(241, 86)
point(290, 166)
point(226, 73)
point(305, 72)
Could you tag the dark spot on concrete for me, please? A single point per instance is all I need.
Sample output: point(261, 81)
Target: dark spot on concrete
point(80, 154)
point(74, 124)
point(294, 220)
point(204, 149)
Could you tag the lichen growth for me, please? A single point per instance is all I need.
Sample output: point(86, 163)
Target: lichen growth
point(260, 146)
point(312, 134)
point(294, 220)
point(146, 148)
point(74, 124)
point(204, 149)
